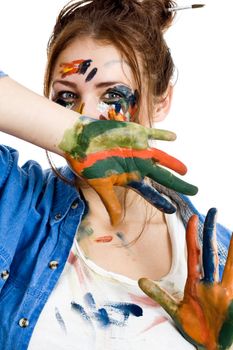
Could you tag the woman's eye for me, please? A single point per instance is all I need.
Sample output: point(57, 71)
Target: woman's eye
point(66, 95)
point(111, 95)
point(66, 99)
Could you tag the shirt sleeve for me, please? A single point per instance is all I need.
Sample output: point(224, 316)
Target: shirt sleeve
point(2, 74)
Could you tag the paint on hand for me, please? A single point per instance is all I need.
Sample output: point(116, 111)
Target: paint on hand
point(75, 67)
point(108, 314)
point(205, 314)
point(111, 153)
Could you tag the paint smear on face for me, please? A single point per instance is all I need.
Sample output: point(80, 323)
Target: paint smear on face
point(122, 103)
point(75, 67)
point(80, 108)
point(104, 239)
point(91, 75)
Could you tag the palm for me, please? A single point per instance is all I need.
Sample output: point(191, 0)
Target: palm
point(111, 153)
point(205, 314)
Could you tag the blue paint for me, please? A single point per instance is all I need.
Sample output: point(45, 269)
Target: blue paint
point(122, 97)
point(208, 254)
point(104, 316)
point(84, 66)
point(89, 300)
point(91, 75)
point(151, 195)
point(80, 309)
point(127, 309)
point(60, 320)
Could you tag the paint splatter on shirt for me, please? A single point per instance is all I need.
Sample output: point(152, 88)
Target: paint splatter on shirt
point(93, 309)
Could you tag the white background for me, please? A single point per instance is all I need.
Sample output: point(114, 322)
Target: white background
point(201, 44)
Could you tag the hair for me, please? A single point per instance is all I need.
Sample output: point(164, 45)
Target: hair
point(135, 28)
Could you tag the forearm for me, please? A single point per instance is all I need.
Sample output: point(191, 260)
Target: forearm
point(31, 117)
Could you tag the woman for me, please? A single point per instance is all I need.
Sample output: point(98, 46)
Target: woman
point(69, 276)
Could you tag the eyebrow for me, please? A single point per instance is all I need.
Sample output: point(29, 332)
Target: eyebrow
point(98, 86)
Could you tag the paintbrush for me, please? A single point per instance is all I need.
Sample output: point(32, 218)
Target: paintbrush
point(178, 8)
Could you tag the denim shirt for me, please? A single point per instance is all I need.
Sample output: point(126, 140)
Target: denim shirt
point(2, 74)
point(39, 216)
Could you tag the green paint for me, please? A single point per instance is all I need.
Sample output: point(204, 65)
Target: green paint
point(141, 167)
point(84, 230)
point(89, 136)
point(95, 130)
point(153, 290)
point(110, 166)
point(121, 236)
point(69, 141)
point(225, 339)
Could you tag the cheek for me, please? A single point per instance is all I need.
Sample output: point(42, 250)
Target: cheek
point(123, 110)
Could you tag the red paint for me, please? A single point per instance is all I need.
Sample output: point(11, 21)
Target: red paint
point(103, 239)
point(152, 153)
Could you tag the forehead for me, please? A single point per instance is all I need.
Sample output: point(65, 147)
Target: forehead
point(105, 57)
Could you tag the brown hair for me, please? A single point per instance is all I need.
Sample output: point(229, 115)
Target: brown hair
point(134, 27)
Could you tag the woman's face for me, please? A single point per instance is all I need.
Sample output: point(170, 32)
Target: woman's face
point(93, 79)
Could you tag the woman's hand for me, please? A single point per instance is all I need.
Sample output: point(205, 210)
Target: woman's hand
point(113, 153)
point(205, 314)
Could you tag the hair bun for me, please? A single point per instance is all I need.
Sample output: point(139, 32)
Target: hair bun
point(158, 11)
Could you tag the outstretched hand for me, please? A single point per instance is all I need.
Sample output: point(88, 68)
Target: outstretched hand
point(112, 153)
point(205, 314)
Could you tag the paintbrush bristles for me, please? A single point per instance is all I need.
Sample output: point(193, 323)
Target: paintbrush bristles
point(195, 6)
point(178, 8)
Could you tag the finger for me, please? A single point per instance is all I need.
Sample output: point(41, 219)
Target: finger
point(225, 338)
point(154, 291)
point(159, 134)
point(104, 188)
point(152, 196)
point(167, 160)
point(209, 250)
point(128, 155)
point(167, 179)
point(193, 251)
point(227, 279)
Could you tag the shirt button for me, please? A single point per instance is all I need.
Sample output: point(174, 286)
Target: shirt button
point(74, 205)
point(58, 216)
point(4, 275)
point(53, 265)
point(24, 322)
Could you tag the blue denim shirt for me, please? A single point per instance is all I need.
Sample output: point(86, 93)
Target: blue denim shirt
point(2, 74)
point(39, 215)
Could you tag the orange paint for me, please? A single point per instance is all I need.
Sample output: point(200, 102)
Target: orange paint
point(228, 270)
point(104, 187)
point(104, 239)
point(204, 307)
point(112, 115)
point(70, 68)
point(158, 156)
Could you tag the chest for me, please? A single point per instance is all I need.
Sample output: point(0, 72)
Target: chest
point(134, 248)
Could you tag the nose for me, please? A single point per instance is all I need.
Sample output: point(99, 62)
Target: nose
point(89, 107)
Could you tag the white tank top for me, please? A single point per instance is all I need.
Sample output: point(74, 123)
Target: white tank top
point(94, 309)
